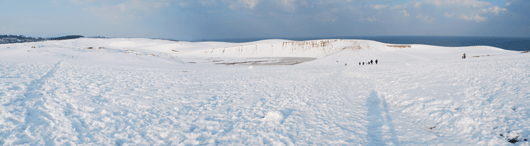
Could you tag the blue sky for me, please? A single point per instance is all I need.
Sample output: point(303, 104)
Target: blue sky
point(222, 19)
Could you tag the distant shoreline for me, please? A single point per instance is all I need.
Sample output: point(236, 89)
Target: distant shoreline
point(508, 43)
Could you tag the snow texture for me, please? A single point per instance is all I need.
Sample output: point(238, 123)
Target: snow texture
point(154, 92)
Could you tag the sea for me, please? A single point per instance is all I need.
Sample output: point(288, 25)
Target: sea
point(507, 43)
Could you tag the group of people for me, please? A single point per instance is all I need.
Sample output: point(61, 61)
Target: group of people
point(362, 63)
point(369, 62)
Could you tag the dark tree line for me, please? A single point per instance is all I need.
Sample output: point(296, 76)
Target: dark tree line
point(7, 39)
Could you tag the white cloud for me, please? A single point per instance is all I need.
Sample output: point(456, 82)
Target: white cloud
point(128, 10)
point(399, 6)
point(289, 4)
point(425, 18)
point(495, 10)
point(417, 5)
point(81, 1)
point(327, 2)
point(328, 15)
point(470, 9)
point(372, 19)
point(369, 19)
point(473, 17)
point(208, 3)
point(405, 13)
point(248, 4)
point(414, 4)
point(184, 4)
point(447, 15)
point(508, 3)
point(473, 3)
point(378, 7)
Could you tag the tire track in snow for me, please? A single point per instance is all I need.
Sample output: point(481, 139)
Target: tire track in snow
point(35, 118)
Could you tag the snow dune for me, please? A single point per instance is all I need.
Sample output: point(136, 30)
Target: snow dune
point(157, 92)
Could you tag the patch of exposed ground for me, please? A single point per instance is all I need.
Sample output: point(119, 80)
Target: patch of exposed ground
point(482, 55)
point(399, 46)
point(268, 61)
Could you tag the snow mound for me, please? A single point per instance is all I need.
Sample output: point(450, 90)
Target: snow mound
point(273, 116)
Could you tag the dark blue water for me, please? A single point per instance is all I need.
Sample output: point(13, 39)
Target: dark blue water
point(508, 43)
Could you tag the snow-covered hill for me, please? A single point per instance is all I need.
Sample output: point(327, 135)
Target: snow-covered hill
point(155, 92)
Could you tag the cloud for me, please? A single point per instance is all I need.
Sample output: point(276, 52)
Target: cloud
point(417, 5)
point(473, 10)
point(208, 3)
point(235, 4)
point(399, 6)
point(326, 2)
point(129, 10)
point(289, 5)
point(373, 19)
point(495, 10)
point(184, 4)
point(378, 7)
point(405, 13)
point(327, 15)
point(473, 17)
point(508, 3)
point(369, 19)
point(414, 4)
point(425, 18)
point(447, 15)
point(472, 3)
point(81, 1)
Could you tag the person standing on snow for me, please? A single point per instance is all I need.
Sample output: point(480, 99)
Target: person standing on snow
point(376, 61)
point(464, 56)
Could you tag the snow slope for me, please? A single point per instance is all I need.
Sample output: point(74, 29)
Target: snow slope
point(156, 92)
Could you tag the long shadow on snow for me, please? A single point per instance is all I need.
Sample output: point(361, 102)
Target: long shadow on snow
point(377, 121)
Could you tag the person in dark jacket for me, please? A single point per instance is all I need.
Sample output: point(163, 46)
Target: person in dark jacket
point(371, 61)
point(464, 56)
point(375, 61)
point(359, 63)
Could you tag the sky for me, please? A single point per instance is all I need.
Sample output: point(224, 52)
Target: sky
point(236, 19)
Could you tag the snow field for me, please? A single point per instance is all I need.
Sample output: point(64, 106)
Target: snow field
point(65, 94)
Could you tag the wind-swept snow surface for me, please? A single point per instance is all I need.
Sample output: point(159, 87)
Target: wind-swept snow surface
point(155, 92)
